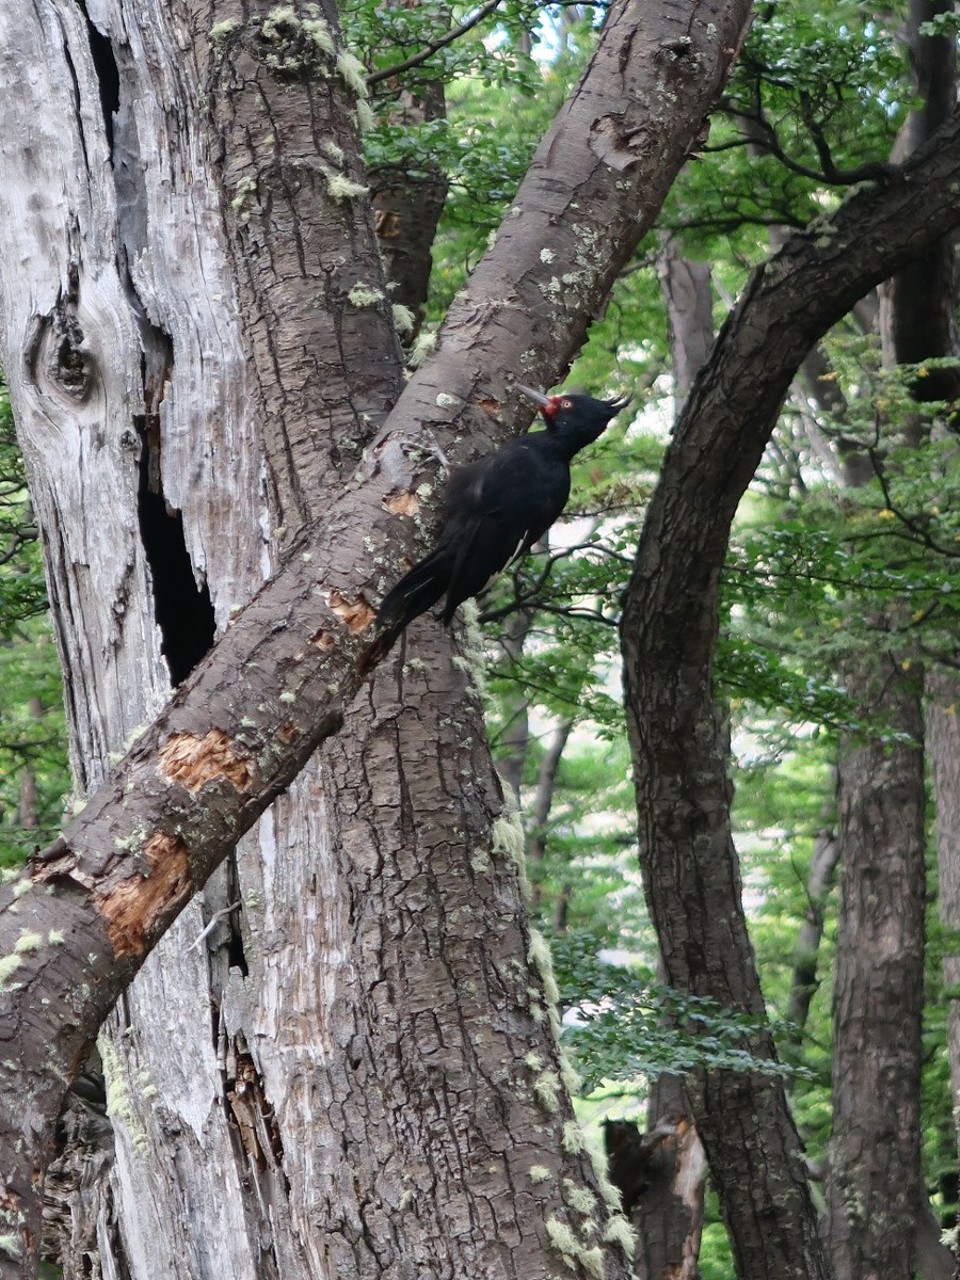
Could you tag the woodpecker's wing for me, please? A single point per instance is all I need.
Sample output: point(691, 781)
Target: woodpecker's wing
point(497, 508)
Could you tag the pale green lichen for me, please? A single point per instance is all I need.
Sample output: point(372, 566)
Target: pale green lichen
point(333, 151)
point(362, 295)
point(280, 16)
point(547, 255)
point(244, 188)
point(422, 347)
point(220, 30)
point(611, 1196)
point(8, 967)
point(28, 942)
point(619, 1231)
point(318, 30)
point(562, 1238)
point(540, 957)
point(579, 1198)
point(539, 1173)
point(24, 886)
point(508, 838)
point(547, 1090)
point(571, 1077)
point(403, 318)
point(343, 188)
point(592, 1261)
point(446, 401)
point(352, 72)
point(119, 1105)
point(538, 953)
point(572, 1139)
point(366, 120)
point(533, 1061)
point(55, 937)
point(479, 862)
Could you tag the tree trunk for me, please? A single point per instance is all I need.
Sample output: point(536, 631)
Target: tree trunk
point(879, 1217)
point(670, 1213)
point(942, 689)
point(356, 1070)
point(875, 1188)
point(676, 730)
point(804, 981)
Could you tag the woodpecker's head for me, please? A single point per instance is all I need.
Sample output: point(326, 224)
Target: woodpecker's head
point(576, 418)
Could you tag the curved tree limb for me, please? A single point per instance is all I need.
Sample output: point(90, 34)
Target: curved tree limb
point(668, 635)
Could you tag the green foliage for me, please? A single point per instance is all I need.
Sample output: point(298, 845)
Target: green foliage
point(627, 1025)
point(22, 590)
point(33, 766)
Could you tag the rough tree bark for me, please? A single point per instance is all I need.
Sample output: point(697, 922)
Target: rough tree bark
point(803, 979)
point(182, 252)
point(669, 1214)
point(676, 730)
point(879, 1221)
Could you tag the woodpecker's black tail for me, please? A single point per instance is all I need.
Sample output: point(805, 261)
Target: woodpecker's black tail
point(416, 592)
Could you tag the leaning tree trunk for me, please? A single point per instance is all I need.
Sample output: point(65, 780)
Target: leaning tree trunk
point(355, 1068)
point(676, 731)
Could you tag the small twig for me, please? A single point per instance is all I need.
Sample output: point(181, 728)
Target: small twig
point(914, 527)
point(428, 50)
point(211, 925)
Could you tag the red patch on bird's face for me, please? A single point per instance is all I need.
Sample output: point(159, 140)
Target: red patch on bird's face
point(554, 405)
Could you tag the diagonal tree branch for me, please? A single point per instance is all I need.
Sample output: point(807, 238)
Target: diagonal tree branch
point(434, 46)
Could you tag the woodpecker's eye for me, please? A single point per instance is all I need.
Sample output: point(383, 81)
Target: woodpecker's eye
point(566, 404)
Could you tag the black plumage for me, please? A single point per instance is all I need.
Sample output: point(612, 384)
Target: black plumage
point(498, 507)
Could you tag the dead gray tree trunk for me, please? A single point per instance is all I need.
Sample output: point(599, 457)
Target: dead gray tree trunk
point(355, 1070)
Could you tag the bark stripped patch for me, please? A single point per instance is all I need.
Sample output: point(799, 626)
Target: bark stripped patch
point(402, 503)
point(324, 640)
point(194, 761)
point(491, 408)
point(616, 146)
point(356, 615)
point(134, 909)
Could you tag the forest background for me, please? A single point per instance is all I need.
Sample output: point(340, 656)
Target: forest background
point(834, 670)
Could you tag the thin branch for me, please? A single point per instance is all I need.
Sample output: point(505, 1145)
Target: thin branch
point(428, 50)
point(914, 526)
point(762, 134)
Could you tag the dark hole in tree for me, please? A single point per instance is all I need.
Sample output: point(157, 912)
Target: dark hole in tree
point(182, 609)
point(108, 75)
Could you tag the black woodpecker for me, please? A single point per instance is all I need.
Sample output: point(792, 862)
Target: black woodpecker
point(498, 507)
